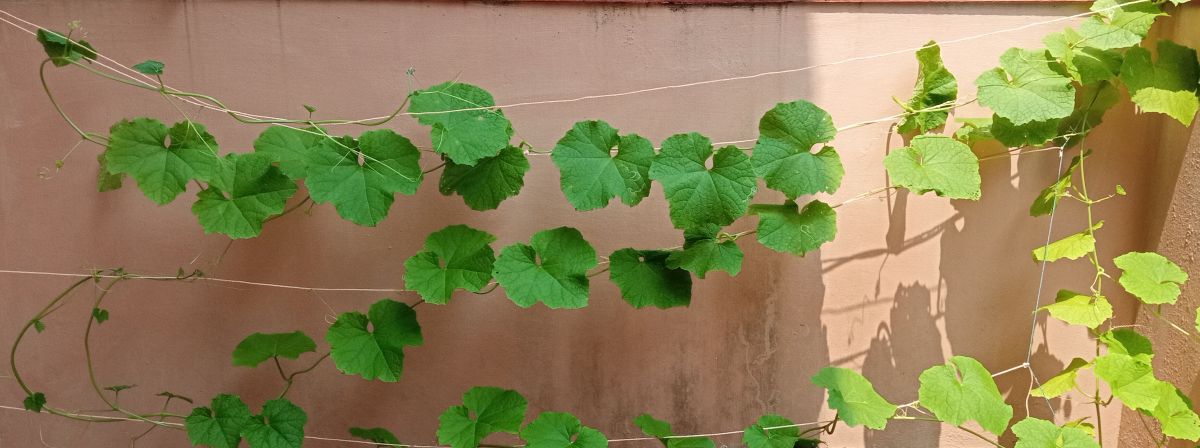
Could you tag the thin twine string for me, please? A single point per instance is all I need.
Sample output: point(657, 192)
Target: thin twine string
point(614, 94)
point(1037, 303)
point(364, 442)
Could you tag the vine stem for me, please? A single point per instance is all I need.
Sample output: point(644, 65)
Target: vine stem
point(289, 379)
point(46, 88)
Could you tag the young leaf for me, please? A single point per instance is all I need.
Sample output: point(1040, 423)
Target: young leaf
point(703, 252)
point(100, 314)
point(935, 163)
point(162, 168)
point(1167, 85)
point(974, 130)
point(291, 147)
point(238, 202)
point(784, 229)
point(1048, 198)
point(854, 398)
point(697, 195)
point(1028, 86)
point(783, 154)
point(591, 175)
point(552, 270)
point(39, 325)
point(1036, 433)
point(107, 180)
point(281, 425)
point(363, 192)
point(488, 183)
point(63, 51)
point(645, 280)
point(1118, 24)
point(466, 136)
point(561, 430)
point(485, 411)
point(378, 435)
point(662, 430)
point(1080, 309)
point(1151, 277)
point(1085, 64)
point(149, 67)
point(1130, 378)
point(378, 352)
point(218, 426)
point(34, 402)
point(1071, 247)
point(1063, 382)
point(456, 257)
point(935, 87)
point(1174, 413)
point(260, 347)
point(963, 390)
point(756, 436)
point(1127, 341)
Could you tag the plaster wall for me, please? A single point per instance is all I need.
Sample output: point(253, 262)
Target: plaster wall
point(909, 281)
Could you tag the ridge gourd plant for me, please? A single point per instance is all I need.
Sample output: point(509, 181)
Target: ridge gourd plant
point(1048, 98)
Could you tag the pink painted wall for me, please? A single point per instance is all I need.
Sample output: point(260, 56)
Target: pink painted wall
point(910, 280)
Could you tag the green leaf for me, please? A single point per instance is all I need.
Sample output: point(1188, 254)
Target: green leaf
point(1028, 86)
point(63, 51)
point(378, 352)
point(1093, 101)
point(1130, 378)
point(117, 388)
point(784, 229)
point(854, 398)
point(1150, 277)
point(1048, 198)
point(1119, 24)
point(260, 347)
point(281, 425)
point(756, 436)
point(149, 67)
point(662, 430)
point(1036, 433)
point(1174, 413)
point(100, 314)
point(35, 402)
point(39, 325)
point(697, 195)
point(363, 192)
point(1071, 247)
point(1033, 133)
point(485, 411)
point(1063, 382)
point(378, 435)
point(552, 270)
point(456, 257)
point(591, 175)
point(935, 87)
point(783, 154)
point(703, 251)
point(1084, 63)
point(218, 426)
point(645, 280)
point(291, 147)
point(963, 390)
point(935, 163)
point(1127, 341)
point(974, 130)
point(248, 192)
point(466, 136)
point(488, 183)
point(1080, 309)
point(162, 168)
point(106, 180)
point(561, 430)
point(1167, 85)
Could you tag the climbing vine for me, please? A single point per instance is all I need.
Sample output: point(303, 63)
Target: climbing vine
point(1047, 98)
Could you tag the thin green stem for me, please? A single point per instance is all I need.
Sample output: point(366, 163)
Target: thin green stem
point(46, 88)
